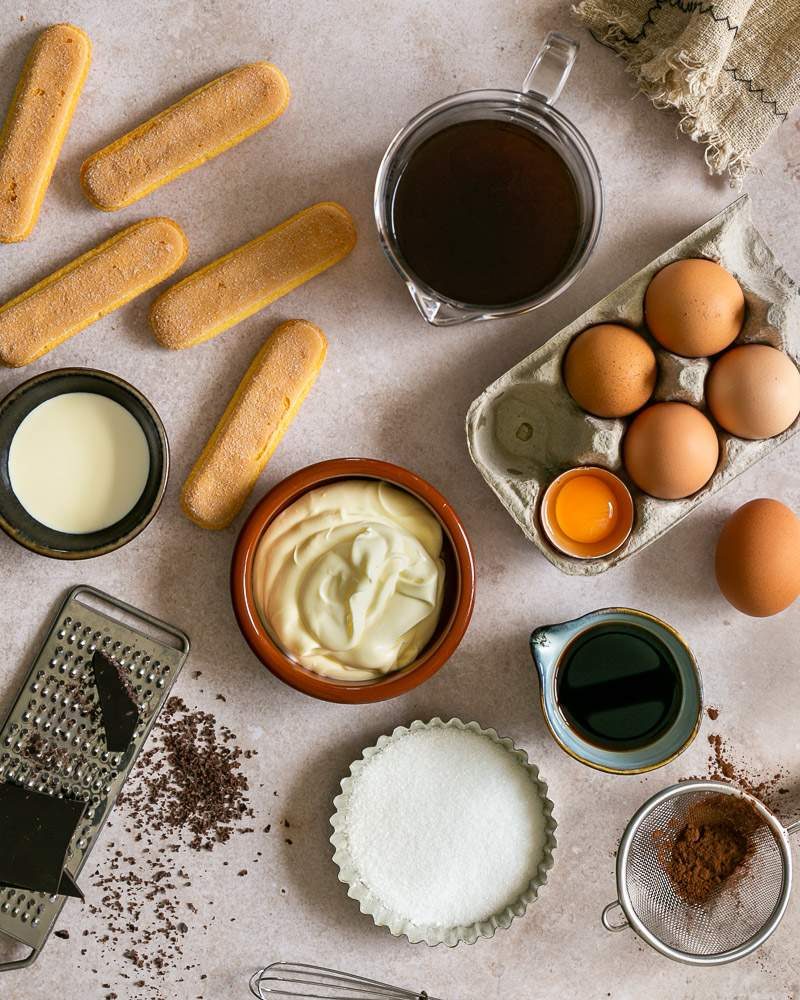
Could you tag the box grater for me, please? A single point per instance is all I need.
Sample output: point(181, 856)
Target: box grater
point(51, 740)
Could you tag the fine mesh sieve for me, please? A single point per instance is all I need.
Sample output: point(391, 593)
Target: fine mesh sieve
point(740, 915)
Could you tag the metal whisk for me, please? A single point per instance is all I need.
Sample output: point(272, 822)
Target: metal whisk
point(296, 979)
point(740, 915)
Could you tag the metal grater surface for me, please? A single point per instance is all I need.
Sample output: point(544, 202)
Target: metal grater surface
point(52, 740)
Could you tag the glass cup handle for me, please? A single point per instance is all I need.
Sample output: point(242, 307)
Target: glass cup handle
point(551, 67)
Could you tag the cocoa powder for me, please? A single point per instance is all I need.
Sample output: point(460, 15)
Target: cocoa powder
point(773, 788)
point(712, 847)
point(768, 788)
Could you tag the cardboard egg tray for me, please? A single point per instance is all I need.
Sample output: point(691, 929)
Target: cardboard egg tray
point(525, 428)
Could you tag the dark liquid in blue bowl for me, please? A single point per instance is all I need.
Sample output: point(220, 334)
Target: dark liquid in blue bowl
point(618, 687)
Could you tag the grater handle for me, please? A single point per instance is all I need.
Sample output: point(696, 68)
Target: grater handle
point(606, 917)
point(146, 625)
point(20, 963)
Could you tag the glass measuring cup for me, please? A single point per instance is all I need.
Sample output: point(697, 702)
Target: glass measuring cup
point(531, 107)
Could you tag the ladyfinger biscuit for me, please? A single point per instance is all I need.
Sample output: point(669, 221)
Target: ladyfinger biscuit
point(37, 123)
point(200, 126)
point(88, 288)
point(254, 421)
point(230, 289)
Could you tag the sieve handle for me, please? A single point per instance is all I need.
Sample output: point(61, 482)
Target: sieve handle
point(608, 923)
point(793, 828)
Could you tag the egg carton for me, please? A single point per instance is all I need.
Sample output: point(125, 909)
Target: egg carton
point(525, 428)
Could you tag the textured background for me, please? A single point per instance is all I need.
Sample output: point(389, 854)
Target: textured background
point(395, 389)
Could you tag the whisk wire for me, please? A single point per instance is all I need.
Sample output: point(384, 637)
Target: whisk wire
point(281, 978)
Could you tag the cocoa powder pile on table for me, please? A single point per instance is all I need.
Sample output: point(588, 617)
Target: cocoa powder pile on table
point(723, 764)
point(722, 767)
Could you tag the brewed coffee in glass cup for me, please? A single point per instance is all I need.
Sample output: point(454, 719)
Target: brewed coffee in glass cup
point(489, 203)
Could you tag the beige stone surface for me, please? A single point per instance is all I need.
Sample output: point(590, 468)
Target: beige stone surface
point(395, 389)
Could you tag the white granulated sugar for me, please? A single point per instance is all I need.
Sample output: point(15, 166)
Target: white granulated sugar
point(445, 827)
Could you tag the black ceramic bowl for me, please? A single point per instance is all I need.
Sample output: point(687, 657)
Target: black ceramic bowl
point(18, 523)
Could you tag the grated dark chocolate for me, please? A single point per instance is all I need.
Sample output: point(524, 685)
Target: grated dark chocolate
point(187, 789)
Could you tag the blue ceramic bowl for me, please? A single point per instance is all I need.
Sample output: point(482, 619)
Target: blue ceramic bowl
point(548, 646)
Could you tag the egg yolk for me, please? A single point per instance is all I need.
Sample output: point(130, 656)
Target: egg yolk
point(586, 509)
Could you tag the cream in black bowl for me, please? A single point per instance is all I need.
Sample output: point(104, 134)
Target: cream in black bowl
point(84, 461)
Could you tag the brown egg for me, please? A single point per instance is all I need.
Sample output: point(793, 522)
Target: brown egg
point(670, 450)
point(610, 370)
point(694, 307)
point(753, 391)
point(758, 558)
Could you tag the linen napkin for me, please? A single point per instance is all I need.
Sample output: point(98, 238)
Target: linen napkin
point(731, 68)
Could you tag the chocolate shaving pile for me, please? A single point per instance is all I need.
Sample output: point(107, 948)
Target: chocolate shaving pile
point(186, 789)
point(191, 779)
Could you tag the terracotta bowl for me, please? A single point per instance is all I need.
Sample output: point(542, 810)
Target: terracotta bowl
point(459, 591)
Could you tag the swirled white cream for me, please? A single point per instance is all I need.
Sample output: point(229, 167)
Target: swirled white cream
point(349, 579)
